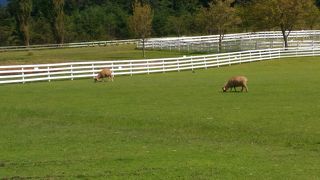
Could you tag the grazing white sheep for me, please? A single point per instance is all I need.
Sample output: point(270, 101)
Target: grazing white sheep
point(104, 73)
point(236, 81)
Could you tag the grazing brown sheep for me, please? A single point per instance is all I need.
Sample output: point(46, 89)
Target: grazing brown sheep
point(104, 73)
point(236, 81)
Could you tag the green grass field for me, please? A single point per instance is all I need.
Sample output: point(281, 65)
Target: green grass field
point(175, 125)
point(83, 54)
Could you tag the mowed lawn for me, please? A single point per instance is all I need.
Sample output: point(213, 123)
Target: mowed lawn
point(176, 125)
point(124, 52)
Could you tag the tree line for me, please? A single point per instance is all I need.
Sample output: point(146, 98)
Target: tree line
point(24, 22)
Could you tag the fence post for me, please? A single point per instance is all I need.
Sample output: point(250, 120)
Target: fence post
point(92, 70)
point(71, 68)
point(22, 70)
point(148, 67)
point(49, 76)
point(163, 70)
point(191, 64)
point(312, 50)
point(178, 62)
point(218, 61)
point(112, 68)
point(279, 53)
point(260, 55)
point(229, 59)
point(270, 53)
point(205, 63)
point(130, 68)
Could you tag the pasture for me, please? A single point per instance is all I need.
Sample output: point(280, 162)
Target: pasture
point(175, 125)
point(119, 52)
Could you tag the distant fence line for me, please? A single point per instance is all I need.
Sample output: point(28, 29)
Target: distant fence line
point(48, 72)
point(69, 45)
point(234, 42)
point(231, 42)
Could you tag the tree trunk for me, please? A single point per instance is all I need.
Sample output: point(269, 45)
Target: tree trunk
point(220, 43)
point(58, 20)
point(285, 38)
point(25, 34)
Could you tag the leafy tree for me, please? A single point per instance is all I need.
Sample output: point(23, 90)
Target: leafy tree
point(218, 18)
point(48, 21)
point(21, 9)
point(312, 17)
point(162, 11)
point(40, 31)
point(105, 22)
point(57, 21)
point(140, 22)
point(284, 14)
point(90, 24)
point(190, 6)
point(6, 27)
point(244, 12)
point(179, 24)
point(159, 22)
point(49, 12)
point(116, 21)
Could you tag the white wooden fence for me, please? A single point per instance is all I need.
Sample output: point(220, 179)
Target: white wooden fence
point(190, 43)
point(233, 42)
point(68, 45)
point(238, 36)
point(48, 72)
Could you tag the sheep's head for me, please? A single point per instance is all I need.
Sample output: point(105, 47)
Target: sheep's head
point(224, 89)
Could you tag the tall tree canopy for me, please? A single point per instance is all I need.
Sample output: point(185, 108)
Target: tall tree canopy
point(218, 18)
point(21, 9)
point(58, 21)
point(140, 22)
point(283, 14)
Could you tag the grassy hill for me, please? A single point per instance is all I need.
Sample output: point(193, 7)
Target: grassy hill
point(166, 125)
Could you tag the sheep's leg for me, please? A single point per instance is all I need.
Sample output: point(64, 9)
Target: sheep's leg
point(235, 89)
point(246, 88)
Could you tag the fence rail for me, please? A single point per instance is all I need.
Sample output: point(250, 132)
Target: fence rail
point(48, 72)
point(68, 45)
point(232, 42)
point(189, 43)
